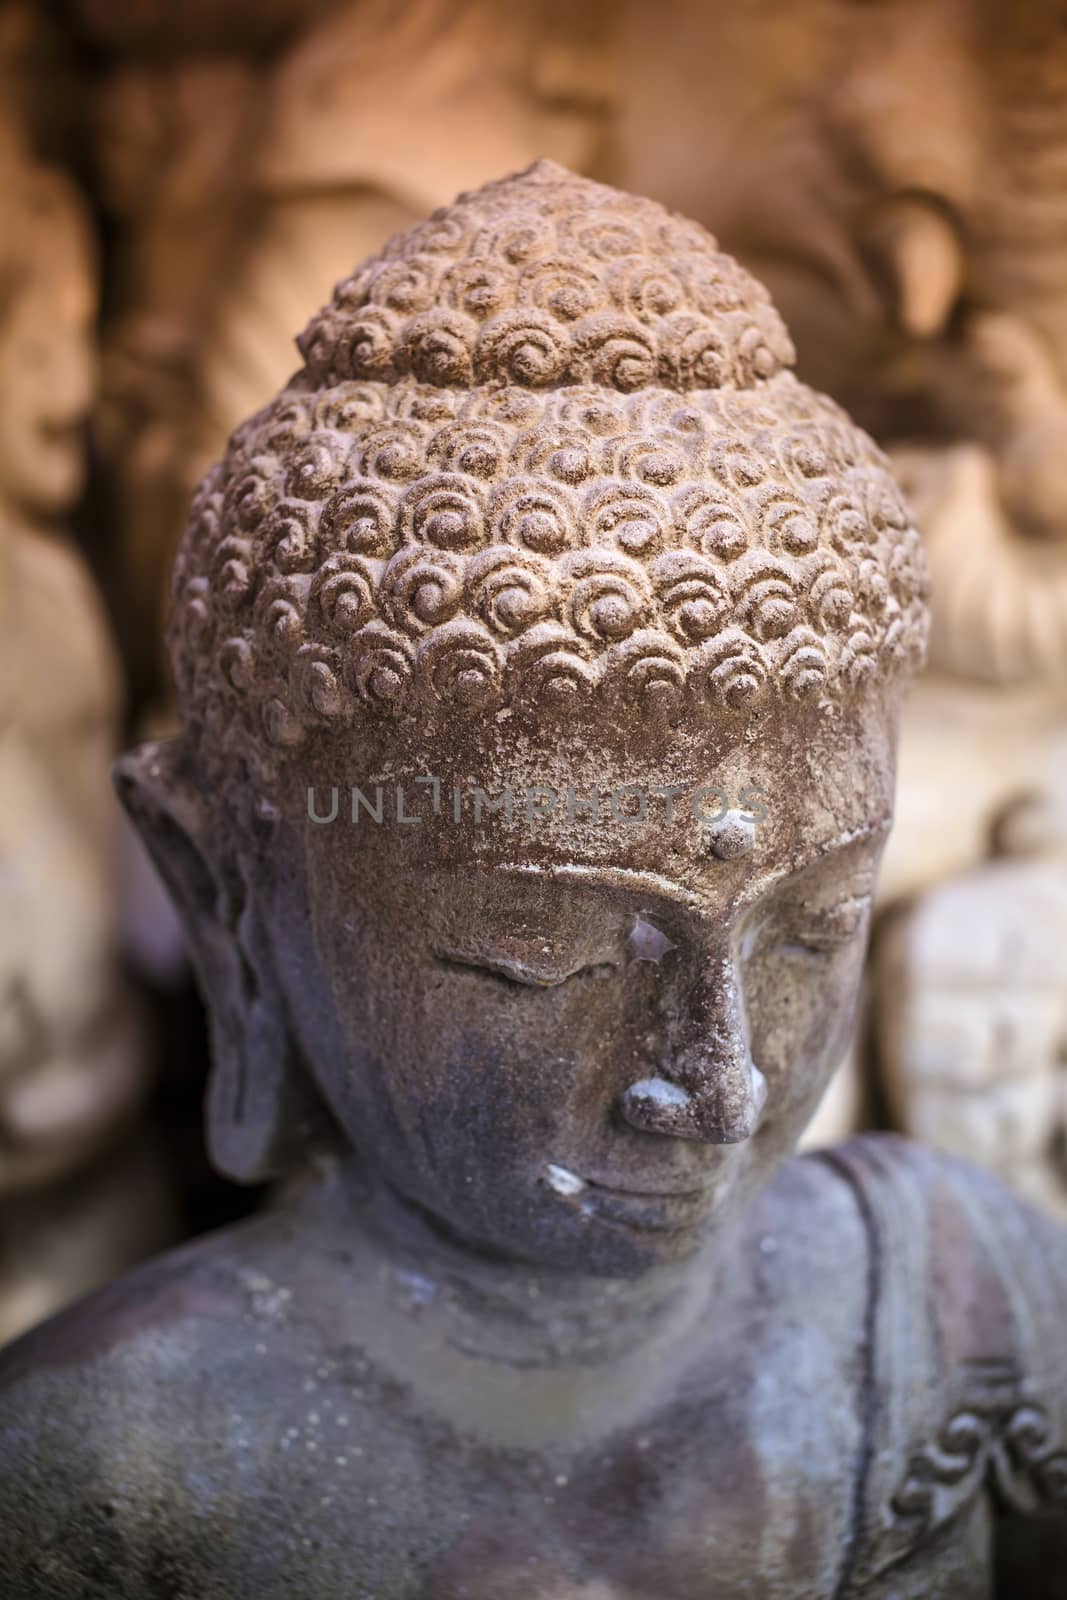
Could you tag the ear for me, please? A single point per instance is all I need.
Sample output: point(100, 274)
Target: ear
point(255, 1107)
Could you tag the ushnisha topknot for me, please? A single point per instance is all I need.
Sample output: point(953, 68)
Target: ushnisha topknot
point(545, 279)
point(545, 452)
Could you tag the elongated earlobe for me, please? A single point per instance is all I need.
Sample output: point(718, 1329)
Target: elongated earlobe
point(257, 1102)
point(257, 1105)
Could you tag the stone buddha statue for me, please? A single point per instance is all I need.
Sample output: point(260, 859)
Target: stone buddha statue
point(538, 652)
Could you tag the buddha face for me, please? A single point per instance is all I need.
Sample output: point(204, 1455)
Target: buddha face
point(581, 1040)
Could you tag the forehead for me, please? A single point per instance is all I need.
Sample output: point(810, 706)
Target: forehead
point(577, 814)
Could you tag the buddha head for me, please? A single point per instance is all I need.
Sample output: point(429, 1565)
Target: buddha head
point(537, 652)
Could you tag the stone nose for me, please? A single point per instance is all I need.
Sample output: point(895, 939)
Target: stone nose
point(709, 1088)
point(656, 1105)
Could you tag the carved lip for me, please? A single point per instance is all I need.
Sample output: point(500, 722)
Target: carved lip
point(645, 1210)
point(574, 1184)
point(617, 1192)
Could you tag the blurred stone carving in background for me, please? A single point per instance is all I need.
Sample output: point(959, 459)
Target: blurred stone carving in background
point(897, 175)
point(80, 1194)
point(247, 157)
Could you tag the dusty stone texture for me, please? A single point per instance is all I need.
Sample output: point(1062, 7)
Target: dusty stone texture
point(897, 175)
point(547, 1307)
point(73, 1070)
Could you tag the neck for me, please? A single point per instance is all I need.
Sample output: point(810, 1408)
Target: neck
point(462, 1327)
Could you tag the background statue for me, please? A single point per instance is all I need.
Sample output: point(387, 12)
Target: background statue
point(970, 1012)
point(79, 1197)
point(537, 651)
point(246, 160)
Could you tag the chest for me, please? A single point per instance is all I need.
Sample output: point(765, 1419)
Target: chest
point(633, 1520)
point(734, 1490)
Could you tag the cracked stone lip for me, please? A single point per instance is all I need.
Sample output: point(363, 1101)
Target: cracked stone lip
point(666, 1210)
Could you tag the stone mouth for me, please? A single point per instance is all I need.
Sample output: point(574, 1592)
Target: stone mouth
point(650, 1194)
point(667, 1210)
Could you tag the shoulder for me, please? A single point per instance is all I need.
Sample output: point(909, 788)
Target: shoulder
point(967, 1359)
point(971, 1282)
point(989, 1259)
point(813, 1194)
point(124, 1337)
point(118, 1416)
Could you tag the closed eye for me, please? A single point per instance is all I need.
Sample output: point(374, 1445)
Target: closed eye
point(812, 932)
point(516, 974)
point(829, 930)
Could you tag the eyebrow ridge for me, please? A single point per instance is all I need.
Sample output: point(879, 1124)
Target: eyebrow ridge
point(623, 877)
point(658, 883)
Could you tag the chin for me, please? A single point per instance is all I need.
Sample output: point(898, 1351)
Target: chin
point(599, 1237)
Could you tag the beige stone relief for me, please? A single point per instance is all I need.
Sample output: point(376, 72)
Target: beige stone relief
point(73, 1074)
point(247, 180)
